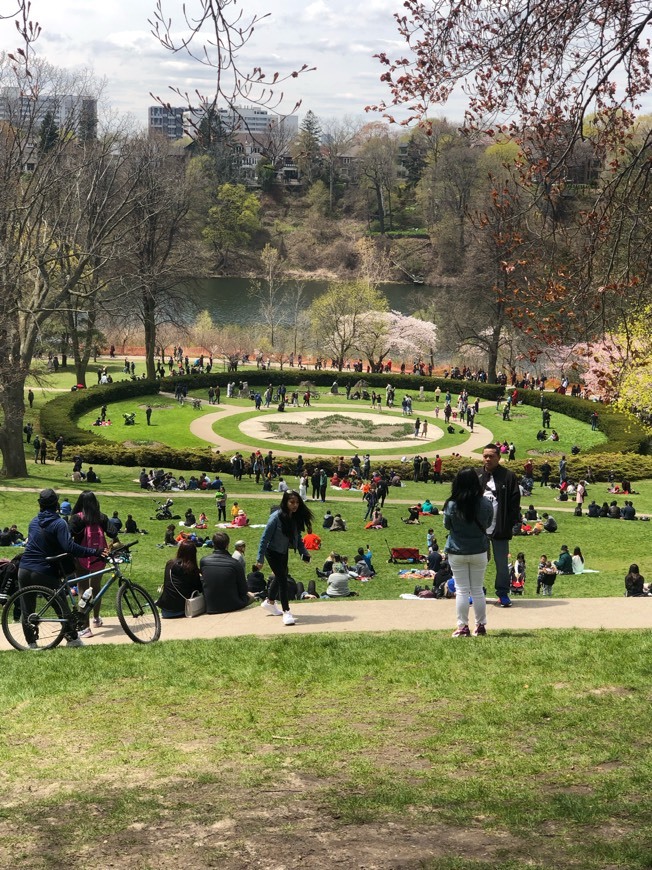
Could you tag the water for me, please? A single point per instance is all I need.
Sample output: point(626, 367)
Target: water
point(228, 300)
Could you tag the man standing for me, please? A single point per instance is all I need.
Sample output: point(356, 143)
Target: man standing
point(562, 470)
point(148, 414)
point(436, 469)
point(58, 446)
point(501, 488)
point(30, 397)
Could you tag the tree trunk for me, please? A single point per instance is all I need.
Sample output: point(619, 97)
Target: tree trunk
point(381, 208)
point(149, 322)
point(14, 463)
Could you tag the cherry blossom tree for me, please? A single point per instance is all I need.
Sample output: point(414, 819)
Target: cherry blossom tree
point(387, 334)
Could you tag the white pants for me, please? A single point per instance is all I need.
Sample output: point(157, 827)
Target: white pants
point(469, 572)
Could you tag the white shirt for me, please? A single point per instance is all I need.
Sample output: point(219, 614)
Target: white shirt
point(490, 493)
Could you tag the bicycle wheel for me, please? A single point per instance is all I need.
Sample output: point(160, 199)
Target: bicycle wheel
point(33, 618)
point(138, 614)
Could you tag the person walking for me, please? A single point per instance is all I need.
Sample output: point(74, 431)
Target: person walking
point(148, 415)
point(36, 445)
point(424, 429)
point(500, 486)
point(284, 532)
point(43, 450)
point(30, 398)
point(467, 516)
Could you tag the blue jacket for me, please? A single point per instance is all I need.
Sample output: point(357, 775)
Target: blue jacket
point(49, 535)
point(464, 538)
point(275, 539)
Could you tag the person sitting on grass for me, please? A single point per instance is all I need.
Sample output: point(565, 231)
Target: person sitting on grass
point(578, 561)
point(614, 511)
point(426, 507)
point(366, 555)
point(594, 509)
point(170, 539)
point(131, 526)
point(378, 521)
point(531, 514)
point(413, 514)
point(604, 510)
point(190, 520)
point(635, 585)
point(338, 524)
point(240, 519)
point(338, 581)
point(549, 523)
point(180, 580)
point(564, 563)
point(628, 511)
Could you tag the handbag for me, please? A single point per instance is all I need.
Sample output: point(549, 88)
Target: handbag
point(195, 605)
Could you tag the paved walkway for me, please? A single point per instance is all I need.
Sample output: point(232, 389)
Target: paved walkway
point(202, 427)
point(400, 615)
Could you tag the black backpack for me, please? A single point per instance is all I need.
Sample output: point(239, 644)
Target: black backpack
point(9, 576)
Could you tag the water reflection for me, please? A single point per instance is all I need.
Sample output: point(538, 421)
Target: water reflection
point(228, 299)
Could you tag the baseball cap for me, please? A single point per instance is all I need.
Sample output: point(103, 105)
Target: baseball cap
point(48, 498)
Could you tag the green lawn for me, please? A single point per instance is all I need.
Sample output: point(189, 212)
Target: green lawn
point(609, 546)
point(395, 750)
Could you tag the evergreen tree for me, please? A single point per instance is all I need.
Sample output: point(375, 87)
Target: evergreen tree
point(48, 134)
point(307, 150)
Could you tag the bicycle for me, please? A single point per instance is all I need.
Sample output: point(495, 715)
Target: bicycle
point(38, 617)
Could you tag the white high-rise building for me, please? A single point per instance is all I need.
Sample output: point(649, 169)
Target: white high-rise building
point(250, 119)
point(70, 112)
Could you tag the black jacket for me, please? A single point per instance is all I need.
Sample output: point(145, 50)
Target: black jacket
point(224, 582)
point(509, 500)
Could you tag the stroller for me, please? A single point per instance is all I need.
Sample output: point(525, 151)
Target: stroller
point(163, 511)
point(130, 419)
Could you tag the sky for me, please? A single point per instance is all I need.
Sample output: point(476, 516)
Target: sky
point(114, 39)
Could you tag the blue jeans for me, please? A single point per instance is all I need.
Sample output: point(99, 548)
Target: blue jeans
point(500, 549)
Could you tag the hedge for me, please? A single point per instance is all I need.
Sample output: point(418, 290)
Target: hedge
point(621, 455)
point(625, 433)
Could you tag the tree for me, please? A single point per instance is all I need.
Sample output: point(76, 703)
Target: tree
point(378, 156)
point(566, 80)
point(48, 134)
point(339, 136)
point(385, 334)
point(338, 314)
point(307, 148)
point(154, 265)
point(269, 291)
point(231, 221)
point(59, 225)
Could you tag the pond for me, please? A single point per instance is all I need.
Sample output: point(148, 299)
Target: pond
point(228, 299)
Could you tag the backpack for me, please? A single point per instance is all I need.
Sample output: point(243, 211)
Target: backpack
point(94, 538)
point(9, 576)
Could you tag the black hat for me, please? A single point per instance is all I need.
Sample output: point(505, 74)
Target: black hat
point(48, 499)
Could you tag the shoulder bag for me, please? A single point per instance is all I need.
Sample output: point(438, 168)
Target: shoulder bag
point(195, 605)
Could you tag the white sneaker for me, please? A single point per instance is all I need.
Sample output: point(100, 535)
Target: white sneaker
point(288, 619)
point(77, 641)
point(271, 609)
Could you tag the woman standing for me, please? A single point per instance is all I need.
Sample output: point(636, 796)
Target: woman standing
point(467, 515)
point(90, 528)
point(284, 530)
point(180, 580)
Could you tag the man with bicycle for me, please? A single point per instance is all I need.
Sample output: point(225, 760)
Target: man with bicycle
point(49, 535)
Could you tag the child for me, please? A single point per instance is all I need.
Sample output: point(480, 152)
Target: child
point(170, 536)
point(431, 541)
point(549, 577)
point(517, 575)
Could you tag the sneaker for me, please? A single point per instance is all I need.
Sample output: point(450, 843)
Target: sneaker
point(271, 609)
point(75, 642)
point(462, 631)
point(480, 630)
point(86, 632)
point(33, 646)
point(97, 621)
point(288, 619)
point(504, 601)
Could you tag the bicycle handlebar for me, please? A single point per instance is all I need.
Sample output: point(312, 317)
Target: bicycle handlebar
point(122, 547)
